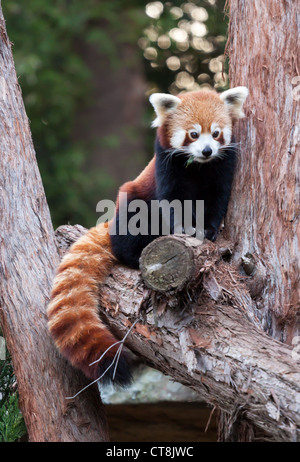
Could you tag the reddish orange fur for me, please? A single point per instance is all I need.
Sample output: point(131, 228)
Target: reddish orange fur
point(73, 317)
point(209, 108)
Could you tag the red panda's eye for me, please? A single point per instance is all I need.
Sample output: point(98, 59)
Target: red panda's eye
point(216, 133)
point(194, 135)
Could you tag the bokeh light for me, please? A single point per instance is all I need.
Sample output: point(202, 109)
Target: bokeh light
point(173, 63)
point(184, 42)
point(154, 9)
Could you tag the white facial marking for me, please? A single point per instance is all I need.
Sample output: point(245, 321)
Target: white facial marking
point(227, 135)
point(205, 141)
point(215, 128)
point(198, 128)
point(206, 146)
point(178, 138)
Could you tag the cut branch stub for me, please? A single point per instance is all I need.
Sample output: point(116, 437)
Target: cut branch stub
point(166, 263)
point(170, 262)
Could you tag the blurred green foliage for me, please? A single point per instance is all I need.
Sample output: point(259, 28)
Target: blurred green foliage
point(184, 45)
point(55, 83)
point(12, 426)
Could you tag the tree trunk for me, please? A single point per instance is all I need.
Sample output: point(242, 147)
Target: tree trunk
point(28, 259)
point(263, 215)
point(203, 334)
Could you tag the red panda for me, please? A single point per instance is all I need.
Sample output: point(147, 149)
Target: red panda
point(194, 126)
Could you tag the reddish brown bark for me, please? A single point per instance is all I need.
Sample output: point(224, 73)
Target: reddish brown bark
point(263, 216)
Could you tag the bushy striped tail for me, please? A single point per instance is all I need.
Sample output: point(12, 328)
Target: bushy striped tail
point(73, 315)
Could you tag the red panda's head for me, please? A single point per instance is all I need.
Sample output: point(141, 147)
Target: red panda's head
point(198, 123)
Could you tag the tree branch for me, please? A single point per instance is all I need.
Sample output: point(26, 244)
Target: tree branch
point(203, 333)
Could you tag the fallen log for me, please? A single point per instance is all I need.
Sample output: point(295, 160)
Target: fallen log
point(202, 331)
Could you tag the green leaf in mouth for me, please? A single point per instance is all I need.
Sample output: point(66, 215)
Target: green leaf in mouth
point(189, 161)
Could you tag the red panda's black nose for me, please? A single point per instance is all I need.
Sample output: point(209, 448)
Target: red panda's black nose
point(207, 151)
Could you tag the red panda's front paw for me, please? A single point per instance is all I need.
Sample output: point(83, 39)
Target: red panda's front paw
point(211, 233)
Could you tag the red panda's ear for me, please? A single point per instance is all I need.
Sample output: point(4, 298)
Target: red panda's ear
point(163, 104)
point(234, 100)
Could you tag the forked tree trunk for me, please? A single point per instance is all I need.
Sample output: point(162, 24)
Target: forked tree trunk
point(263, 216)
point(28, 259)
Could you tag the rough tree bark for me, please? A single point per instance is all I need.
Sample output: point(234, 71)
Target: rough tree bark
point(201, 329)
point(263, 216)
point(28, 259)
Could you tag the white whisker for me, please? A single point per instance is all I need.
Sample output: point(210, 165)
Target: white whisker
point(115, 360)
